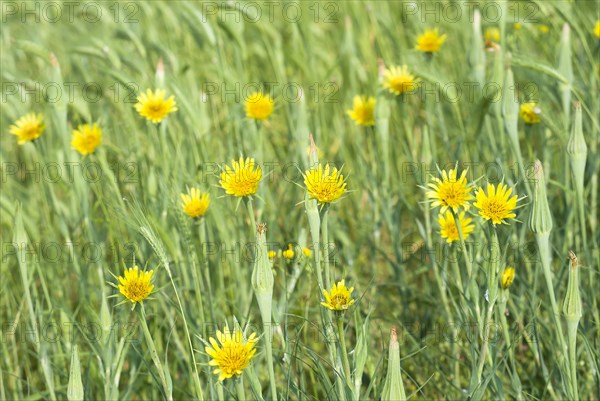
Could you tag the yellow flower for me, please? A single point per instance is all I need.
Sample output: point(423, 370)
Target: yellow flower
point(517, 26)
point(136, 286)
point(530, 113)
point(544, 28)
point(194, 203)
point(450, 192)
point(508, 276)
point(242, 179)
point(307, 252)
point(339, 298)
point(272, 254)
point(363, 111)
point(259, 106)
point(232, 354)
point(430, 41)
point(326, 185)
point(153, 105)
point(497, 205)
point(597, 29)
point(28, 128)
point(448, 229)
point(491, 35)
point(86, 138)
point(399, 80)
point(288, 253)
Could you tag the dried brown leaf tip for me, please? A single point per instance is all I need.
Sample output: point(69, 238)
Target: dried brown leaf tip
point(573, 258)
point(261, 228)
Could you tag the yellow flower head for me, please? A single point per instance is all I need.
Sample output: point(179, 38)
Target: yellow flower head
point(28, 128)
point(497, 205)
point(430, 41)
point(259, 106)
point(597, 29)
point(339, 298)
point(232, 354)
point(326, 185)
point(530, 113)
point(195, 203)
point(86, 138)
point(544, 28)
point(491, 35)
point(450, 192)
point(508, 276)
point(154, 107)
point(448, 229)
point(307, 252)
point(136, 286)
point(517, 26)
point(363, 111)
point(399, 80)
point(242, 178)
point(272, 254)
point(288, 253)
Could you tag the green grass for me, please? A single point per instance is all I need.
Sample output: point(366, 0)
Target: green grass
point(69, 223)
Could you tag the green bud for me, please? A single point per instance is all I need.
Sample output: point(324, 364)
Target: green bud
point(75, 386)
point(540, 219)
point(262, 275)
point(572, 304)
point(393, 389)
point(577, 151)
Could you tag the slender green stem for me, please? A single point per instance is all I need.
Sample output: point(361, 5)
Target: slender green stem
point(198, 287)
point(269, 345)
point(572, 336)
point(342, 337)
point(325, 236)
point(239, 386)
point(509, 343)
point(206, 269)
point(472, 290)
point(153, 352)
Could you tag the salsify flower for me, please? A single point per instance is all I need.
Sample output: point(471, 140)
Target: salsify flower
point(398, 80)
point(242, 178)
point(508, 276)
point(136, 285)
point(430, 41)
point(272, 254)
point(195, 203)
point(363, 111)
point(597, 29)
point(497, 205)
point(307, 252)
point(450, 192)
point(339, 298)
point(492, 34)
point(448, 229)
point(517, 26)
point(544, 28)
point(326, 185)
point(86, 138)
point(259, 106)
point(530, 113)
point(289, 252)
point(232, 354)
point(153, 106)
point(28, 128)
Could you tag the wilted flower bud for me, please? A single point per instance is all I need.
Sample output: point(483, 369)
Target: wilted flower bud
point(572, 304)
point(540, 219)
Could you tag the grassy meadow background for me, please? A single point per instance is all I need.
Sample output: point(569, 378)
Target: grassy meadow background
point(69, 223)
